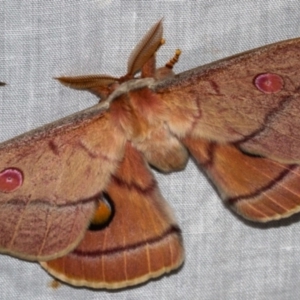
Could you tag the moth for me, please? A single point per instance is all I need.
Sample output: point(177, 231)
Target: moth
point(78, 196)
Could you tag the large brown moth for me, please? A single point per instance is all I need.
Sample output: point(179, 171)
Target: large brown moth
point(77, 195)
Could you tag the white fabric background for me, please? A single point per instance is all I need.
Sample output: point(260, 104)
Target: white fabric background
point(226, 257)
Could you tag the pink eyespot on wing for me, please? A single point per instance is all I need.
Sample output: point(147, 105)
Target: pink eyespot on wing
point(10, 180)
point(268, 83)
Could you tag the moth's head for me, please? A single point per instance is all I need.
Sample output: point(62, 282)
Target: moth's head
point(141, 65)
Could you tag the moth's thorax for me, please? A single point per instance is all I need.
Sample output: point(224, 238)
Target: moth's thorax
point(135, 108)
point(147, 104)
point(141, 114)
point(128, 86)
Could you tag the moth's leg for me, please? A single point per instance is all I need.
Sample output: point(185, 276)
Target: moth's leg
point(167, 70)
point(170, 64)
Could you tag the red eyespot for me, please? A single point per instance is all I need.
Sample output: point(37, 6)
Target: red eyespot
point(269, 83)
point(10, 180)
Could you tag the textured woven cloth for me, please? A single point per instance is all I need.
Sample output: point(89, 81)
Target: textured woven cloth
point(226, 257)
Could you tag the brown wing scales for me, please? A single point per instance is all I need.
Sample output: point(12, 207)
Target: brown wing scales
point(225, 104)
point(259, 189)
point(142, 241)
point(51, 178)
point(62, 175)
